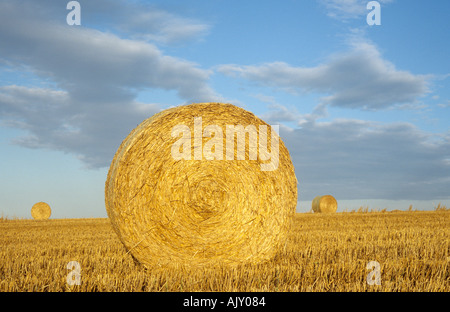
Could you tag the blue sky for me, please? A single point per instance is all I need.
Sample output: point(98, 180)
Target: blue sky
point(363, 110)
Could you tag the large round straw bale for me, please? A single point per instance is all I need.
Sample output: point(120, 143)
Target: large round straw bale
point(200, 209)
point(41, 211)
point(324, 204)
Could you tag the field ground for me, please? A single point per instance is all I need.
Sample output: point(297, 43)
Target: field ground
point(323, 253)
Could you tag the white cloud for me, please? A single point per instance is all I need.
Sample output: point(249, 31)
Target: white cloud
point(161, 26)
point(83, 58)
point(135, 19)
point(359, 78)
point(53, 120)
point(95, 75)
point(277, 113)
point(445, 104)
point(355, 159)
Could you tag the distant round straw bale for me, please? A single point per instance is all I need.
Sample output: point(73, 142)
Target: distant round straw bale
point(324, 204)
point(41, 211)
point(171, 204)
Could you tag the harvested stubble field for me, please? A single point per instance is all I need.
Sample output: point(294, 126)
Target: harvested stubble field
point(323, 253)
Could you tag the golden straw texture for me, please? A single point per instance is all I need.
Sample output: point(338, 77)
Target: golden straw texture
point(324, 204)
point(41, 211)
point(169, 211)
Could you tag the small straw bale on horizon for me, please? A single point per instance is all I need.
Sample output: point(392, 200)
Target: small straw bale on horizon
point(324, 204)
point(41, 211)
